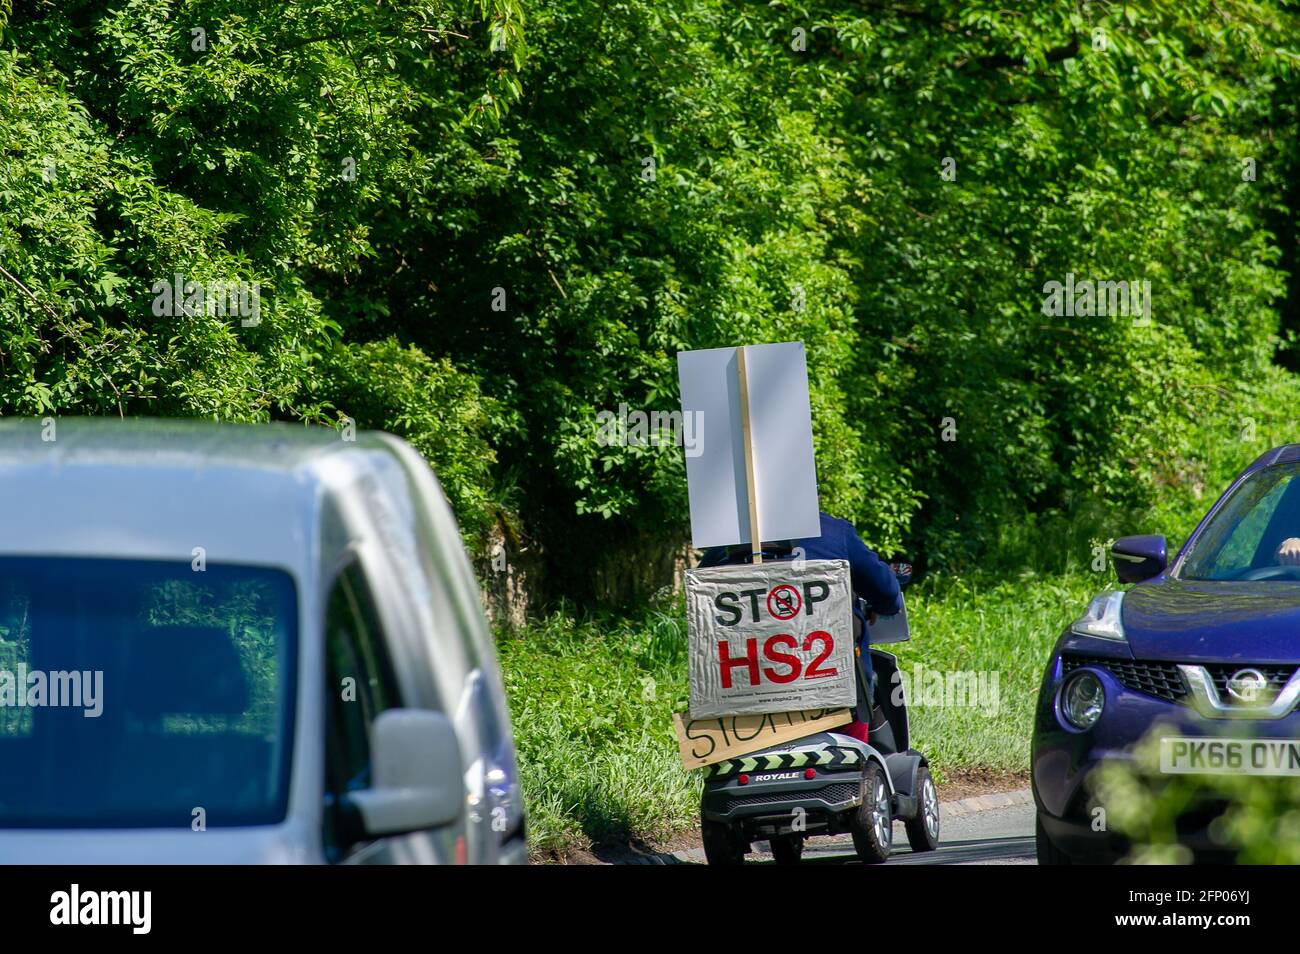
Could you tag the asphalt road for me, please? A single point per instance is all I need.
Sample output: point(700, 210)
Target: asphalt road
point(969, 836)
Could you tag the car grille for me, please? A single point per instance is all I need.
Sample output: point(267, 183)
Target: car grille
point(1277, 677)
point(1159, 679)
point(834, 794)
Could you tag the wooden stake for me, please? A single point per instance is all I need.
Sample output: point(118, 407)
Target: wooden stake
point(755, 539)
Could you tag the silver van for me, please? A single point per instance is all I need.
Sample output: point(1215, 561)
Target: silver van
point(242, 644)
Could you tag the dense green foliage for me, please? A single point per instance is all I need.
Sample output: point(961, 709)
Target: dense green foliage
point(480, 224)
point(264, 143)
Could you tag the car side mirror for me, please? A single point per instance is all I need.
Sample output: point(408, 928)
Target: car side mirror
point(417, 774)
point(1139, 558)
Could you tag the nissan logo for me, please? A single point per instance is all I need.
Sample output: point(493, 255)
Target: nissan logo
point(1246, 685)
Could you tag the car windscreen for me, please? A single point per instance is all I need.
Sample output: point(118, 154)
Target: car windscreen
point(144, 694)
point(1241, 540)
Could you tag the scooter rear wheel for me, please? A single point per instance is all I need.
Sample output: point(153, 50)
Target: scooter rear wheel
point(872, 822)
point(787, 849)
point(721, 846)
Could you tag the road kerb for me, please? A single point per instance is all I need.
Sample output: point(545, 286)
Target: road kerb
point(983, 803)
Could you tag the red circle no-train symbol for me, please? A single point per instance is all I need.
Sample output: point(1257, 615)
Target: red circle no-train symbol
point(784, 602)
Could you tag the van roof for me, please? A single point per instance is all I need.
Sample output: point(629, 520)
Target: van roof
point(251, 494)
point(132, 441)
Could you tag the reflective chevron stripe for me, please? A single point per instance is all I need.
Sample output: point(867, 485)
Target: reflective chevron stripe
point(832, 757)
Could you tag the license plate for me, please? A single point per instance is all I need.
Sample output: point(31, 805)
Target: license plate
point(1180, 756)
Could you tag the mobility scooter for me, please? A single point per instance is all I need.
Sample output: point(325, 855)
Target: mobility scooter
point(829, 783)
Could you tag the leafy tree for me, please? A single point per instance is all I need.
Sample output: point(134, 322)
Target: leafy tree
point(480, 229)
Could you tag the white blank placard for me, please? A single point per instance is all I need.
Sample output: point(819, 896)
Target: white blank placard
point(780, 420)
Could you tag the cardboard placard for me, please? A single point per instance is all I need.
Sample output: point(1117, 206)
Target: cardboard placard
point(771, 638)
point(777, 410)
point(702, 742)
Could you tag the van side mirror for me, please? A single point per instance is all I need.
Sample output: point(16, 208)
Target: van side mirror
point(1139, 558)
point(417, 776)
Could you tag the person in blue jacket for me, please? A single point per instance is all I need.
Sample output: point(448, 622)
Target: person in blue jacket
point(872, 579)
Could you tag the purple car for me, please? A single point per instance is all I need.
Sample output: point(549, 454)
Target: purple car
point(1208, 646)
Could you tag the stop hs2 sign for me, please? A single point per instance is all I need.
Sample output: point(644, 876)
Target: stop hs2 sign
point(770, 638)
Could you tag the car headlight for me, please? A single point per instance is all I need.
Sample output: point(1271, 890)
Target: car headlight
point(1082, 700)
point(1104, 618)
